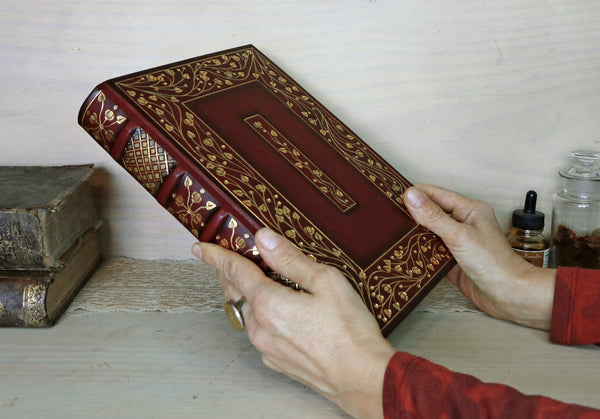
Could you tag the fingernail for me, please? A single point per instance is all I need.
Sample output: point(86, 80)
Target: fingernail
point(268, 238)
point(415, 197)
point(197, 250)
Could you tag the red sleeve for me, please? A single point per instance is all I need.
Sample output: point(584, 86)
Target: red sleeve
point(414, 387)
point(576, 309)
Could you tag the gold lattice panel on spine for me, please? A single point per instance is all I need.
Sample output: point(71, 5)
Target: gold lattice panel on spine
point(147, 161)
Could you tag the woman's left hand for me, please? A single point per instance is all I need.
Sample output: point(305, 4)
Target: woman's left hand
point(323, 337)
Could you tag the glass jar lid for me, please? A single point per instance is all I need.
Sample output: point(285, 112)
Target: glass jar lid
point(584, 165)
point(582, 178)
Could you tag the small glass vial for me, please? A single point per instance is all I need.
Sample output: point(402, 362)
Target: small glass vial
point(526, 235)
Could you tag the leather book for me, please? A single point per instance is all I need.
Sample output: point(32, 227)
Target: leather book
point(228, 143)
point(37, 298)
point(44, 210)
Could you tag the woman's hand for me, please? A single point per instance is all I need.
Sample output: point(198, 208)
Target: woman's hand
point(489, 272)
point(323, 337)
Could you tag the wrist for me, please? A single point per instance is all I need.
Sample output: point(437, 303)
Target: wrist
point(365, 398)
point(530, 299)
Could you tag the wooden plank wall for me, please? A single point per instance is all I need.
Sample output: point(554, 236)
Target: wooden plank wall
point(486, 98)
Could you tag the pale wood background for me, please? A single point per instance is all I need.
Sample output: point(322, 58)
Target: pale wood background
point(486, 98)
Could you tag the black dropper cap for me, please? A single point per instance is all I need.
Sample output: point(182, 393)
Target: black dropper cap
point(528, 218)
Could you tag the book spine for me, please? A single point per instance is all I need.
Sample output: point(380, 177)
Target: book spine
point(23, 301)
point(37, 298)
point(166, 173)
point(21, 237)
point(36, 237)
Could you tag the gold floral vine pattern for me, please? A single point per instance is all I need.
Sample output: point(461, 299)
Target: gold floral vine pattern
point(388, 284)
point(298, 160)
point(103, 120)
point(190, 206)
point(233, 236)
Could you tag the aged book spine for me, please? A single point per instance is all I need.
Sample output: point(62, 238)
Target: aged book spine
point(35, 237)
point(163, 170)
point(37, 298)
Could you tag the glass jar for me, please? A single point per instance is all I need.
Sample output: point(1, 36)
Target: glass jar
point(576, 213)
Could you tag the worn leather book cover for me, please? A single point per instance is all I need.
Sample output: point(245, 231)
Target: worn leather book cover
point(44, 210)
point(228, 143)
point(37, 298)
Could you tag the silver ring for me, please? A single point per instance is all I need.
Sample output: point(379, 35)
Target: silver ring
point(233, 310)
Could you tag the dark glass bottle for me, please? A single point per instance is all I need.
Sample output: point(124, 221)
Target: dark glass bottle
point(526, 235)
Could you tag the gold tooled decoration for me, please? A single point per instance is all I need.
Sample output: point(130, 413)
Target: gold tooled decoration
point(236, 240)
point(147, 161)
point(162, 96)
point(298, 160)
point(191, 206)
point(103, 120)
point(34, 305)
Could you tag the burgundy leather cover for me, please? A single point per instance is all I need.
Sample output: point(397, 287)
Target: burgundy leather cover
point(228, 143)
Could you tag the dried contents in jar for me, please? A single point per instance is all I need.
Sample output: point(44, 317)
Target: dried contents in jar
point(577, 250)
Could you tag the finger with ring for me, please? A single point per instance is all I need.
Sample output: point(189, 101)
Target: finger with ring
point(233, 310)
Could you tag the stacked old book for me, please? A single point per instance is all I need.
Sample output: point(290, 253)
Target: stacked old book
point(48, 241)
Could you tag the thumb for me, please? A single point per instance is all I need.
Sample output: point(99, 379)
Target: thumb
point(429, 214)
point(284, 258)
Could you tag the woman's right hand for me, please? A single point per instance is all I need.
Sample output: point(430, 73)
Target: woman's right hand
point(489, 272)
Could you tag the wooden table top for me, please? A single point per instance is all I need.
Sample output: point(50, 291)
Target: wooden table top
point(111, 361)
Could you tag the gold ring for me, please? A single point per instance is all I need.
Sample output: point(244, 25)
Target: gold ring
point(234, 313)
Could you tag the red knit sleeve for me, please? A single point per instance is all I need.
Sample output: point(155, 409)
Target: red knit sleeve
point(576, 309)
point(416, 388)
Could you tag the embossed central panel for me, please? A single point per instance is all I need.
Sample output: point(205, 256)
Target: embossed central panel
point(301, 163)
point(370, 218)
